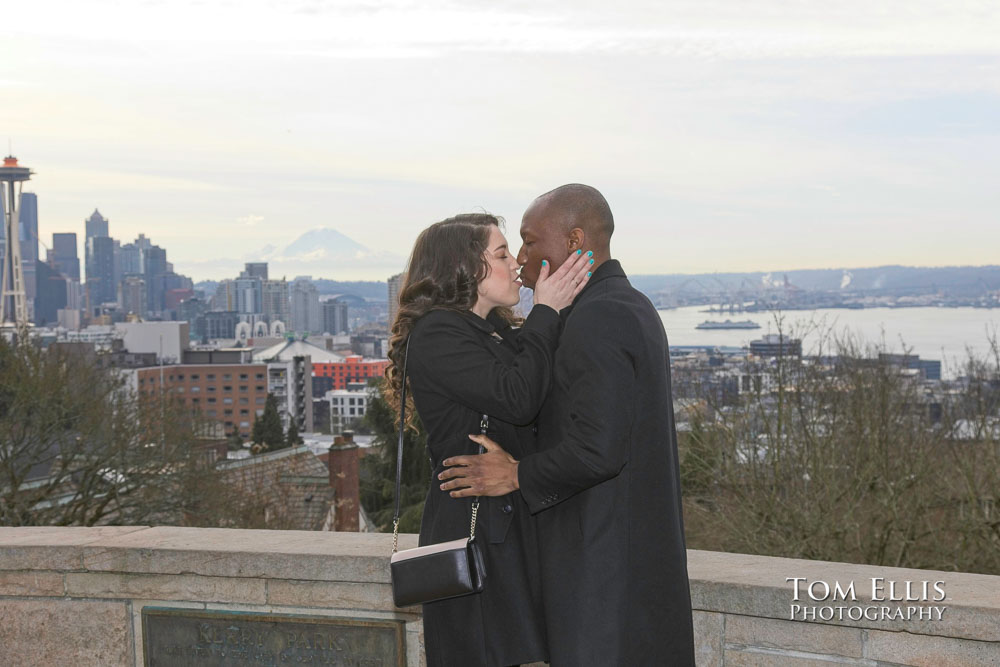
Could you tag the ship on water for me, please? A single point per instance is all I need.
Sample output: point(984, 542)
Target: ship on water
point(728, 324)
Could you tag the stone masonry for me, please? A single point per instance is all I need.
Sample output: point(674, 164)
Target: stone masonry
point(75, 596)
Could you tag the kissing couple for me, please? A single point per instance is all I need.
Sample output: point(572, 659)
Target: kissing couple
point(580, 525)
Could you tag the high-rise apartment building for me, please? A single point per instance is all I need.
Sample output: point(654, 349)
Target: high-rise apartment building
point(305, 311)
point(275, 300)
point(291, 383)
point(256, 270)
point(225, 296)
point(395, 285)
point(335, 317)
point(249, 295)
point(132, 295)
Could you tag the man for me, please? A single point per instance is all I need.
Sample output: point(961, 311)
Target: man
point(604, 483)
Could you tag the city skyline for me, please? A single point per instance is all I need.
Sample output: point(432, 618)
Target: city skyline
point(726, 138)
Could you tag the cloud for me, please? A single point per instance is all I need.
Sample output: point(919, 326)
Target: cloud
point(250, 220)
point(679, 28)
point(72, 179)
point(848, 120)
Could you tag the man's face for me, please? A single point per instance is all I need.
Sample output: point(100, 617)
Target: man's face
point(541, 238)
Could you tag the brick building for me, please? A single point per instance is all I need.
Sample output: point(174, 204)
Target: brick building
point(230, 394)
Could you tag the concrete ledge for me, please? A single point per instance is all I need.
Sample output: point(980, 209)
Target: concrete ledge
point(92, 584)
point(266, 554)
point(185, 587)
point(756, 586)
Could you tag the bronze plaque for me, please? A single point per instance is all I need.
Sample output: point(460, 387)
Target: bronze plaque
point(172, 636)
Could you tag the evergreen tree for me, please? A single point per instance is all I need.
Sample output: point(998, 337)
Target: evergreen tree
point(378, 468)
point(271, 434)
point(292, 438)
point(257, 431)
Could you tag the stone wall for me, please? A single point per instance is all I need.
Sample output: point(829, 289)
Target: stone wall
point(76, 595)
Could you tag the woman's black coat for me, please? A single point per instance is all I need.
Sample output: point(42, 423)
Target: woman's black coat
point(460, 366)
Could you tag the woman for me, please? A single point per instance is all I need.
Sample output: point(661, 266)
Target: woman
point(465, 359)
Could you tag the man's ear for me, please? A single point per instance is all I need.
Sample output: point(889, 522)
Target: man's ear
point(575, 239)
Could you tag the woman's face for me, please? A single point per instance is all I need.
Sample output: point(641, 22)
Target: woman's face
point(501, 286)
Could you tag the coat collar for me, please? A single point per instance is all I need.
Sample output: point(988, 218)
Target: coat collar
point(609, 269)
point(478, 322)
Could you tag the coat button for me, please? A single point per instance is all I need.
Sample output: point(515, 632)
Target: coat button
point(508, 508)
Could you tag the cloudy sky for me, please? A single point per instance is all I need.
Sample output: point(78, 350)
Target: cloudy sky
point(727, 135)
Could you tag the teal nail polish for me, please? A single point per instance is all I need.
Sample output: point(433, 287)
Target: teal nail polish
point(588, 274)
point(590, 253)
point(579, 252)
point(591, 261)
point(544, 263)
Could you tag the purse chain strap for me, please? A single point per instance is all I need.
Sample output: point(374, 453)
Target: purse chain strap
point(484, 425)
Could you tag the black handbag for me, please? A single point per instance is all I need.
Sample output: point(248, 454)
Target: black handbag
point(435, 571)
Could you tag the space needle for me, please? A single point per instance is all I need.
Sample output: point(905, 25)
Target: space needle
point(13, 306)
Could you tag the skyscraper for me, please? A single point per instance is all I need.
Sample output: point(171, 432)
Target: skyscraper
point(118, 262)
point(96, 224)
point(65, 259)
point(256, 270)
point(130, 260)
point(335, 317)
point(249, 295)
point(101, 270)
point(275, 301)
point(154, 268)
point(28, 231)
point(132, 295)
point(51, 295)
point(395, 286)
point(225, 296)
point(305, 311)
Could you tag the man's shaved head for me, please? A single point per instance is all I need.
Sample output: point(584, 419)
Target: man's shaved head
point(566, 220)
point(577, 205)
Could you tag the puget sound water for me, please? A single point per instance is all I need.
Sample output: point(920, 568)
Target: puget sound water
point(933, 333)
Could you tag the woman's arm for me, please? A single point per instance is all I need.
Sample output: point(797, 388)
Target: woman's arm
point(449, 355)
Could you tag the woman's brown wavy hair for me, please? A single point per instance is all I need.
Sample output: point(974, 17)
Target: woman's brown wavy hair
point(447, 263)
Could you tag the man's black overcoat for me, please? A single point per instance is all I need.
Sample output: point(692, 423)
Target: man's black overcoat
point(459, 367)
point(605, 486)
